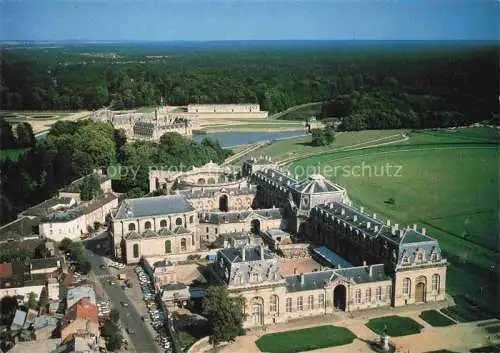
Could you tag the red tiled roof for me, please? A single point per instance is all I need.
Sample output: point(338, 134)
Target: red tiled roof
point(5, 270)
point(296, 266)
point(81, 309)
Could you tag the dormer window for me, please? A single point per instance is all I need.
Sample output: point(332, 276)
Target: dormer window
point(434, 257)
point(406, 260)
point(420, 256)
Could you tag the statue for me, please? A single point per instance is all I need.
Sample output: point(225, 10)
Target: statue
point(384, 339)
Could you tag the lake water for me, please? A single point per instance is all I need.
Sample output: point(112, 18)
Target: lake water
point(235, 138)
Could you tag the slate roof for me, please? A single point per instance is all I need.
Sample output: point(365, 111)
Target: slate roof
point(15, 230)
point(151, 233)
point(199, 193)
point(46, 207)
point(237, 216)
point(251, 254)
point(317, 280)
point(153, 206)
point(144, 128)
point(315, 184)
point(333, 258)
point(173, 286)
point(276, 232)
point(411, 236)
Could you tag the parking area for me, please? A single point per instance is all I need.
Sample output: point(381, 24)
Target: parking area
point(143, 297)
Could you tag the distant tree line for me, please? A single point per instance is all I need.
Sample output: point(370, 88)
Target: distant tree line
point(374, 86)
point(74, 149)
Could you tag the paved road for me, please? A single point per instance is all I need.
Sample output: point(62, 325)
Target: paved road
point(142, 340)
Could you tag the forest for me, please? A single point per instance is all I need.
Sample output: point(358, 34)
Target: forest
point(75, 149)
point(408, 84)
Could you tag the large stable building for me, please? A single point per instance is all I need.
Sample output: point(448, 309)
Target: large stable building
point(341, 258)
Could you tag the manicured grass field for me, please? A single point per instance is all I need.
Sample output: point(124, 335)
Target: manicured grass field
point(13, 154)
point(465, 313)
point(444, 181)
point(396, 325)
point(305, 339)
point(301, 113)
point(493, 329)
point(302, 145)
point(435, 318)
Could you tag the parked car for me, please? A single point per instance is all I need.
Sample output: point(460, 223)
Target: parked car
point(130, 330)
point(123, 303)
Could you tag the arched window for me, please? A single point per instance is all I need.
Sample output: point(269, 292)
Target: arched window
point(163, 223)
point(136, 250)
point(178, 221)
point(273, 303)
point(168, 246)
point(191, 219)
point(358, 296)
point(131, 227)
point(237, 279)
point(288, 305)
point(183, 244)
point(255, 277)
point(406, 286)
point(147, 225)
point(435, 282)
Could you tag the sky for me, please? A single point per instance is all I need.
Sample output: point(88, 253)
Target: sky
point(205, 20)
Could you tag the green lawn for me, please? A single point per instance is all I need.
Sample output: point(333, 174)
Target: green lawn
point(464, 312)
point(13, 154)
point(305, 339)
point(301, 112)
point(435, 318)
point(444, 181)
point(493, 329)
point(302, 146)
point(396, 325)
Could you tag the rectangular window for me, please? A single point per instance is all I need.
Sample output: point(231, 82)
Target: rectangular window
point(358, 296)
point(321, 300)
point(368, 295)
point(310, 302)
point(388, 292)
point(208, 230)
point(378, 294)
point(215, 230)
point(300, 304)
point(288, 305)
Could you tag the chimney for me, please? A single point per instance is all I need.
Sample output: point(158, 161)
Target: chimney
point(388, 222)
point(364, 263)
point(243, 253)
point(396, 226)
point(370, 270)
point(261, 252)
point(374, 216)
point(368, 225)
point(361, 209)
point(342, 212)
point(376, 229)
point(339, 267)
point(302, 279)
point(423, 231)
point(415, 226)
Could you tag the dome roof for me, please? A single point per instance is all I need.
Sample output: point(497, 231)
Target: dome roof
point(316, 183)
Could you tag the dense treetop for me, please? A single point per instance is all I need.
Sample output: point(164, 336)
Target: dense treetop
point(458, 76)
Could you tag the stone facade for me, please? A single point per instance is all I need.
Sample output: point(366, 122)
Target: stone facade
point(148, 126)
point(221, 111)
point(154, 226)
point(212, 224)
